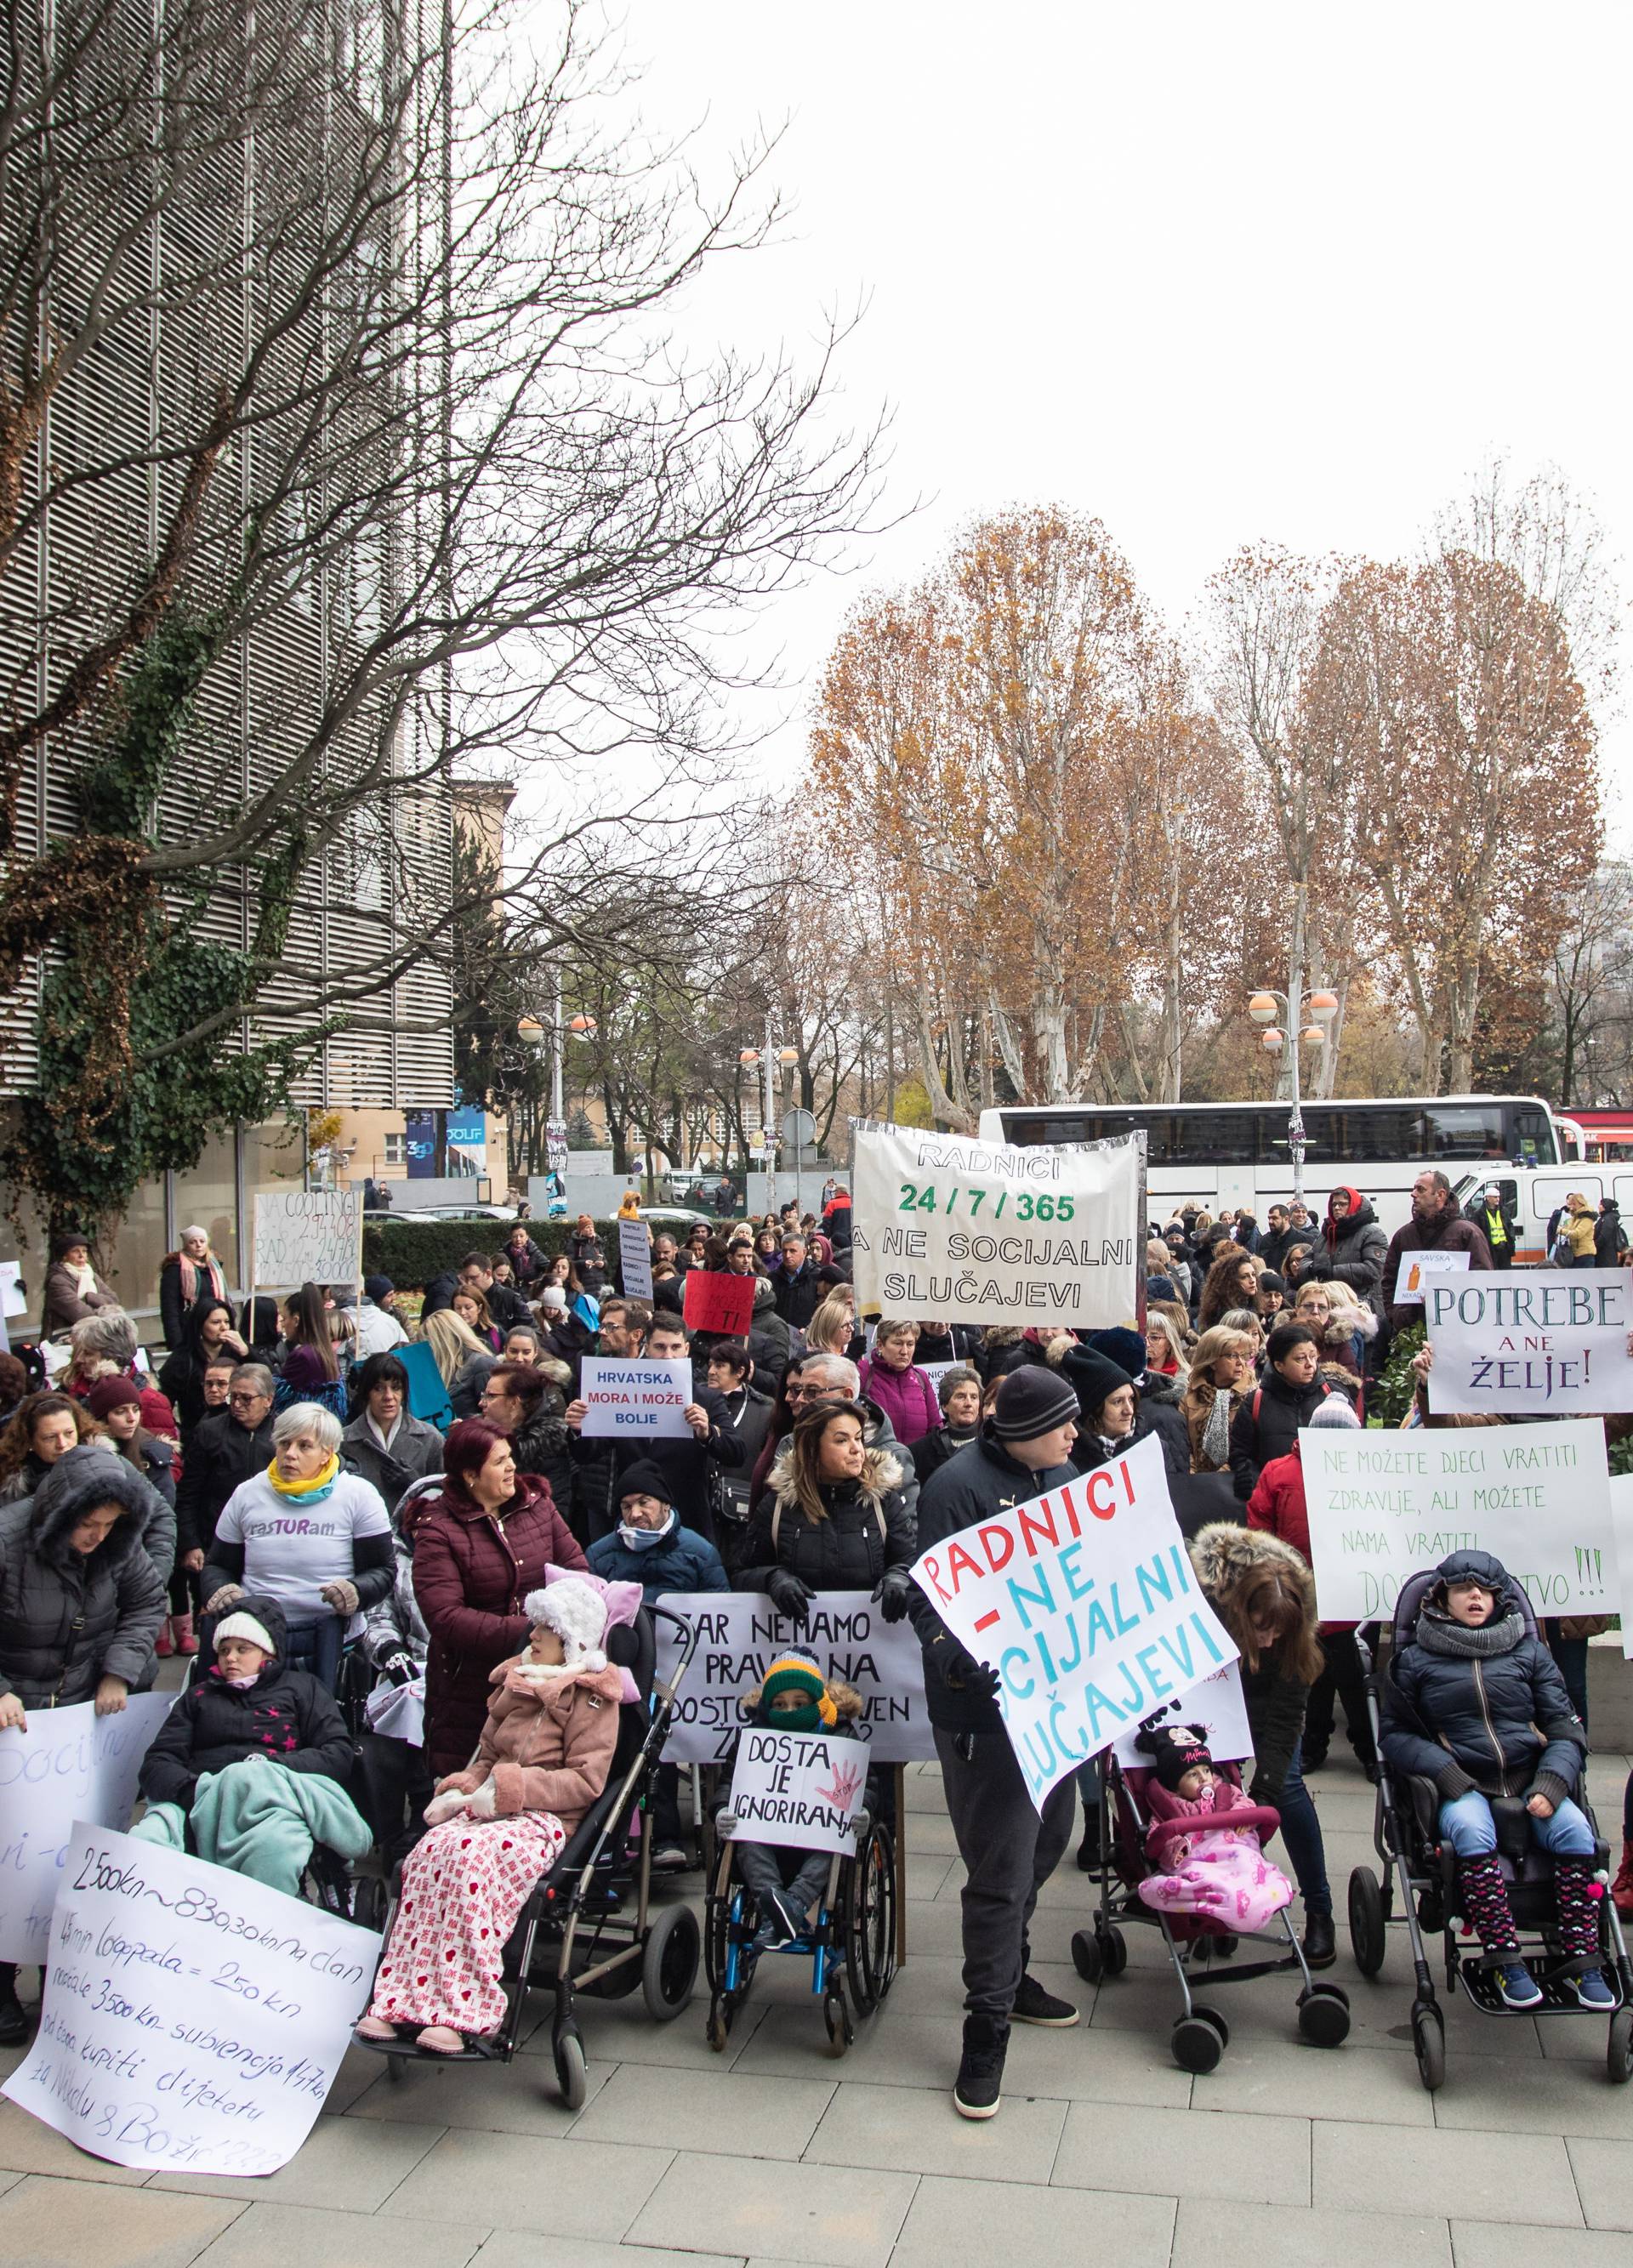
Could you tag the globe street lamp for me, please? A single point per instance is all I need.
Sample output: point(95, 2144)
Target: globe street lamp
point(1320, 1007)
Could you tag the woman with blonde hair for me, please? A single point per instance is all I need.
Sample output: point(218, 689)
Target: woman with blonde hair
point(1222, 1373)
point(1341, 1325)
point(831, 1330)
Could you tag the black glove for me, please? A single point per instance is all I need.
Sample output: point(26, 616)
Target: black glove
point(893, 1594)
point(962, 1672)
point(788, 1595)
point(398, 1665)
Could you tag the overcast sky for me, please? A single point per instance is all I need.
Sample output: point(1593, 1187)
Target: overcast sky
point(1213, 273)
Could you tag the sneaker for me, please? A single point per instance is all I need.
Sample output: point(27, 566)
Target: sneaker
point(976, 2089)
point(672, 1858)
point(1034, 2006)
point(1320, 1941)
point(1518, 1986)
point(1593, 1991)
point(780, 1927)
point(13, 2020)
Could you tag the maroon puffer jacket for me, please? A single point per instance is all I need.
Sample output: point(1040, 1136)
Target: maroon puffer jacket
point(471, 1572)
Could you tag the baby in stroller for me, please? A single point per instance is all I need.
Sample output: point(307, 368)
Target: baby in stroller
point(1476, 1702)
point(796, 1697)
point(1207, 1866)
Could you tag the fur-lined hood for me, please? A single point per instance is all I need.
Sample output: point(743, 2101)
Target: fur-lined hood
point(83, 1478)
point(881, 1472)
point(1346, 1325)
point(844, 1698)
point(1003, 1335)
point(1224, 1555)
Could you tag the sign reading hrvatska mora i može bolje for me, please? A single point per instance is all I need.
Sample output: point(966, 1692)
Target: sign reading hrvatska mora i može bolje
point(1085, 1602)
point(996, 1233)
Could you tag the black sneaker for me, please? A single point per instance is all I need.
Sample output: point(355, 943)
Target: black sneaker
point(781, 1926)
point(980, 2071)
point(1320, 1941)
point(1034, 2006)
point(14, 2025)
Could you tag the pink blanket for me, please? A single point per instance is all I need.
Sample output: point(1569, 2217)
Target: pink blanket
point(1219, 1872)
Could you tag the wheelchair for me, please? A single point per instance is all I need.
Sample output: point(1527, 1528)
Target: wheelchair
point(588, 1927)
point(1419, 1868)
point(851, 1945)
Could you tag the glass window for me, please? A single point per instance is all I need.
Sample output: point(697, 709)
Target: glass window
point(1214, 1137)
point(1530, 1135)
point(1465, 1130)
point(208, 1196)
point(131, 1258)
point(1387, 1134)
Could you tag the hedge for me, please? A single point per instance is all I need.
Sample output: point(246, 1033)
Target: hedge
point(412, 1252)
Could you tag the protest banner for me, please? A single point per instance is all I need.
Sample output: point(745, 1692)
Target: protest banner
point(635, 1259)
point(804, 1789)
point(1085, 1602)
point(1217, 1705)
point(306, 1236)
point(717, 1302)
point(1383, 1506)
point(635, 1399)
point(1550, 1339)
point(1415, 1269)
point(741, 1634)
point(988, 1232)
point(68, 1765)
point(1621, 1539)
point(193, 2019)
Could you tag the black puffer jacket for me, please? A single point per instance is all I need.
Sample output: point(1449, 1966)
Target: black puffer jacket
point(1360, 1244)
point(68, 1620)
point(1485, 1708)
point(1268, 1420)
point(869, 1528)
point(285, 1714)
point(221, 1457)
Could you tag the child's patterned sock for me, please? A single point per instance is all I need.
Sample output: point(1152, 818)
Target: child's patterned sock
point(1485, 1904)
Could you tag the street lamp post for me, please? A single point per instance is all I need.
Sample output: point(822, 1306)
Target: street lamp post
point(772, 1053)
point(1320, 1007)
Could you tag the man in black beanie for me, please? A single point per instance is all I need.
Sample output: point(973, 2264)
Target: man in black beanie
point(1009, 1850)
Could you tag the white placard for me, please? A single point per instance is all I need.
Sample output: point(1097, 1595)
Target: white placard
point(1216, 1704)
point(308, 1236)
point(635, 1400)
point(635, 1259)
point(990, 1233)
point(1085, 1602)
point(1415, 1269)
point(69, 1764)
point(937, 1371)
point(1383, 1506)
point(741, 1635)
point(11, 1299)
point(194, 2019)
point(1531, 1341)
point(1621, 1537)
point(802, 1789)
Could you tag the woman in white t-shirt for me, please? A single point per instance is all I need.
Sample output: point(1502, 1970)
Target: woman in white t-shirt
point(313, 1538)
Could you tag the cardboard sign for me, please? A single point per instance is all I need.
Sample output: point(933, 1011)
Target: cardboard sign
point(1546, 1339)
point(637, 1398)
point(741, 1635)
point(194, 2019)
point(1383, 1506)
point(1216, 1704)
point(1416, 1267)
point(996, 1233)
point(308, 1236)
point(714, 1302)
point(635, 1259)
point(1085, 1602)
point(802, 1789)
point(71, 1765)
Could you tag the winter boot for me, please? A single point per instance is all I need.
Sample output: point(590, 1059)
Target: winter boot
point(186, 1641)
point(976, 2090)
point(162, 1644)
point(1486, 1909)
point(1621, 1889)
point(1578, 1895)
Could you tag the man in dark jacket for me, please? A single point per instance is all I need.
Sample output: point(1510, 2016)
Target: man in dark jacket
point(1009, 1849)
point(1278, 1234)
point(1435, 1225)
point(1493, 1216)
point(794, 1287)
point(1607, 1238)
point(228, 1446)
point(687, 1466)
point(506, 1305)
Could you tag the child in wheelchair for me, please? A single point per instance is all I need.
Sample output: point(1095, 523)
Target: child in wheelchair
point(785, 1883)
point(1475, 1703)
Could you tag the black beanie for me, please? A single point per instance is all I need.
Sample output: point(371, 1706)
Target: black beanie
point(644, 1479)
point(1175, 1750)
point(1094, 1376)
point(1031, 1401)
point(1269, 1281)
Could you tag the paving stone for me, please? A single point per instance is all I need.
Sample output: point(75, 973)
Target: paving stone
point(564, 2189)
point(1514, 2244)
point(899, 2126)
point(778, 2212)
point(493, 2098)
point(1561, 2097)
point(1220, 2154)
point(515, 2248)
point(318, 2236)
point(1295, 2080)
point(1604, 2178)
point(46, 2223)
point(1289, 2236)
point(354, 2164)
point(1474, 2176)
point(1025, 2222)
point(707, 2110)
point(28, 2146)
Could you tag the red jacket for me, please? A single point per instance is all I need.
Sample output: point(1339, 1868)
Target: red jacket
point(471, 1574)
point(1277, 1505)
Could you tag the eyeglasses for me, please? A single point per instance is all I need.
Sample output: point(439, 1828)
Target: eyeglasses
point(808, 1393)
point(245, 1400)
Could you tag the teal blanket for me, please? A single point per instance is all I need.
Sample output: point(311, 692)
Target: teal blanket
point(259, 1818)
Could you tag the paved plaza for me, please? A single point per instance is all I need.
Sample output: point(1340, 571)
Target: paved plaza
point(1104, 2151)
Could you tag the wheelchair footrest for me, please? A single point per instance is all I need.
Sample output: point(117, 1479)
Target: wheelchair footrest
point(1553, 1979)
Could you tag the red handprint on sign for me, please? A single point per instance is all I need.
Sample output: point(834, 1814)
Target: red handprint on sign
point(846, 1779)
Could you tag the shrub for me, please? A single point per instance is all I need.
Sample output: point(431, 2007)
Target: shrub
point(412, 1252)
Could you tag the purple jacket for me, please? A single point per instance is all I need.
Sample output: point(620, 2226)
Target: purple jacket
point(906, 1397)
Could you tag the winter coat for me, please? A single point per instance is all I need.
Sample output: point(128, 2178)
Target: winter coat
point(158, 1470)
point(1499, 1720)
point(543, 1445)
point(906, 1397)
point(798, 1296)
point(1356, 1250)
point(221, 1457)
point(416, 1450)
point(158, 1519)
point(598, 1461)
point(1277, 1508)
point(749, 1412)
point(1222, 1554)
point(933, 1451)
point(1579, 1231)
point(548, 1752)
point(1275, 1243)
point(681, 1562)
point(378, 1332)
point(1196, 1407)
point(64, 1306)
point(1607, 1235)
point(837, 1221)
point(472, 1570)
point(869, 1528)
point(1268, 1419)
point(182, 1283)
point(878, 1433)
point(527, 1265)
point(1159, 1418)
point(67, 1620)
point(1489, 1218)
point(980, 1480)
point(1448, 1232)
point(1006, 1347)
point(286, 1714)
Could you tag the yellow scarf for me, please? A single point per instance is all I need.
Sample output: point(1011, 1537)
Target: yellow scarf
point(318, 1485)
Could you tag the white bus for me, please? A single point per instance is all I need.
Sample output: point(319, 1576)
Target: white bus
point(1236, 1153)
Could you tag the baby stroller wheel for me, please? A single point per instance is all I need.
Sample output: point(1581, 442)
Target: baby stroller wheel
point(1196, 2044)
point(1619, 2048)
point(837, 2017)
point(1366, 1920)
point(669, 1967)
point(1114, 1951)
point(1323, 2017)
point(1212, 2016)
point(572, 2070)
point(1429, 2043)
point(1087, 1958)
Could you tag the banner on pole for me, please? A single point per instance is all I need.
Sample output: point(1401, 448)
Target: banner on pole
point(69, 1764)
point(1385, 1505)
point(802, 1789)
point(635, 1259)
point(1550, 1340)
point(193, 2019)
point(1085, 1602)
point(308, 1236)
point(639, 1399)
point(986, 1232)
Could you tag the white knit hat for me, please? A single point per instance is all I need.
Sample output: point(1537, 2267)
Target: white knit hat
point(1336, 1410)
point(240, 1625)
point(577, 1612)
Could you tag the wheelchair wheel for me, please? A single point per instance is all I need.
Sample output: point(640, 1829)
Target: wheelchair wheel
point(572, 2069)
point(837, 2017)
point(1619, 2048)
point(668, 1966)
point(867, 1910)
point(717, 2028)
point(1429, 2043)
point(1366, 1921)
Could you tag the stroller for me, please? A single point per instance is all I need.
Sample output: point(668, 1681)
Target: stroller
point(1131, 1843)
point(1407, 1836)
point(575, 1934)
